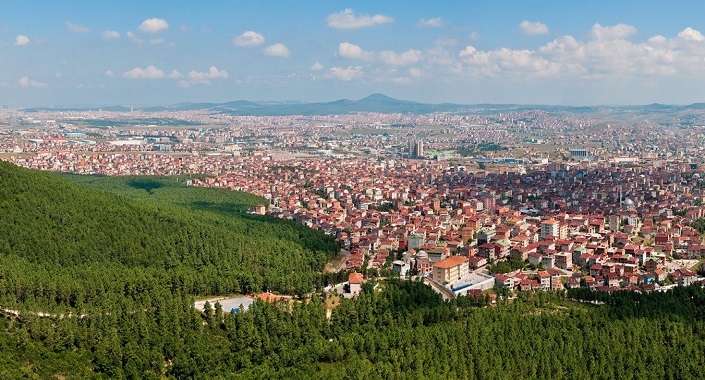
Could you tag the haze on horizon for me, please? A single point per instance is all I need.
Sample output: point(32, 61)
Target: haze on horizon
point(131, 53)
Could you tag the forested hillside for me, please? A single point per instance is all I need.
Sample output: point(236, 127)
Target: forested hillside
point(401, 331)
point(63, 245)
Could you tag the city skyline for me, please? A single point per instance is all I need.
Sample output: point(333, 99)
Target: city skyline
point(129, 53)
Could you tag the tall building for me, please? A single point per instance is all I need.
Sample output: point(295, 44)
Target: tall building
point(451, 269)
point(550, 228)
point(488, 202)
point(416, 148)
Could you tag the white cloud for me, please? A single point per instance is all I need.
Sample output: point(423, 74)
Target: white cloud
point(174, 75)
point(604, 57)
point(109, 73)
point(317, 67)
point(134, 38)
point(110, 35)
point(347, 19)
point(468, 51)
point(435, 22)
point(615, 32)
point(150, 72)
point(277, 50)
point(193, 77)
point(21, 40)
point(400, 59)
point(76, 28)
point(690, 34)
point(658, 39)
point(352, 51)
point(344, 73)
point(249, 38)
point(533, 28)
point(205, 77)
point(26, 82)
point(156, 41)
point(153, 25)
point(520, 63)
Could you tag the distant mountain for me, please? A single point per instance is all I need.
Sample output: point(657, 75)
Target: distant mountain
point(373, 103)
point(382, 104)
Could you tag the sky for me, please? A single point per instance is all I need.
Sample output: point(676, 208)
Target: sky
point(98, 52)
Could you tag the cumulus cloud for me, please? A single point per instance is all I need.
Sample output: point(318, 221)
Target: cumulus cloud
point(615, 32)
point(400, 59)
point(153, 25)
point(468, 51)
point(150, 72)
point(76, 28)
point(435, 22)
point(277, 50)
point(348, 19)
point(21, 40)
point(205, 77)
point(506, 61)
point(533, 28)
point(690, 34)
point(352, 51)
point(249, 38)
point(110, 35)
point(156, 41)
point(344, 73)
point(659, 39)
point(317, 67)
point(26, 82)
point(109, 73)
point(605, 56)
point(174, 75)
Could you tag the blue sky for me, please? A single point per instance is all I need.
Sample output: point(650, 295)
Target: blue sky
point(531, 52)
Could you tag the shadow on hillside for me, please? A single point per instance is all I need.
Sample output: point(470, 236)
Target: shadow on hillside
point(228, 209)
point(144, 184)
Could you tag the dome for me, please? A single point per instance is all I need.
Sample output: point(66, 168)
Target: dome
point(421, 255)
point(628, 202)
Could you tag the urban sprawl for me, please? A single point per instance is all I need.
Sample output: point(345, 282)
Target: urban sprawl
point(509, 201)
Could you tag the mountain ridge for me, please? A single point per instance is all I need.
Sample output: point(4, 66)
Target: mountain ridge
point(374, 103)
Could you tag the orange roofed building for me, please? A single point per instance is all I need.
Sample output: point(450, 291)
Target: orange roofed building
point(271, 297)
point(355, 281)
point(450, 269)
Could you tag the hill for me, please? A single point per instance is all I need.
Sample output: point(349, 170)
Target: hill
point(65, 245)
point(373, 103)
